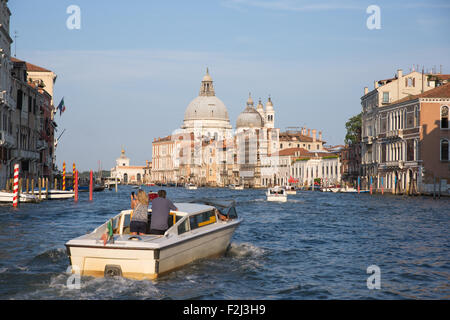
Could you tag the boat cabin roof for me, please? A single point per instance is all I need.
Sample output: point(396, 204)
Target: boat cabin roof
point(191, 208)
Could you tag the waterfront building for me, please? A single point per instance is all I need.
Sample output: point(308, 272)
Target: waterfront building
point(414, 141)
point(307, 167)
point(163, 160)
point(127, 174)
point(27, 125)
point(295, 137)
point(7, 103)
point(351, 163)
point(404, 145)
point(385, 92)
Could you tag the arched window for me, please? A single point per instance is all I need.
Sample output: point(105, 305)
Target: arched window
point(444, 117)
point(444, 150)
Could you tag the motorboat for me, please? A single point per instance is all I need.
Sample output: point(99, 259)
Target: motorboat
point(54, 194)
point(190, 186)
point(276, 194)
point(23, 197)
point(236, 187)
point(196, 231)
point(290, 190)
point(110, 183)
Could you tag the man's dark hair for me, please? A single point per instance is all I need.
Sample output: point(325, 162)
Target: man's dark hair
point(162, 193)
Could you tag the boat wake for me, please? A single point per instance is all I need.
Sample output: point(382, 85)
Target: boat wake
point(244, 249)
point(51, 256)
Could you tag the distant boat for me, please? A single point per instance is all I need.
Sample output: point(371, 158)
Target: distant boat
point(236, 187)
point(190, 186)
point(60, 194)
point(110, 183)
point(290, 190)
point(276, 194)
point(96, 188)
point(152, 195)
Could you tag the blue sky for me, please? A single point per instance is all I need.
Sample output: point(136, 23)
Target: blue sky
point(131, 70)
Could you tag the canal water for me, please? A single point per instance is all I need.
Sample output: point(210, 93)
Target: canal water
point(314, 246)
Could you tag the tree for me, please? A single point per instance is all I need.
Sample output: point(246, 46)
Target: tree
point(353, 126)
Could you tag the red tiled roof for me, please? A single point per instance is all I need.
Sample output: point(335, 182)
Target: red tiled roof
point(31, 67)
point(442, 91)
point(292, 151)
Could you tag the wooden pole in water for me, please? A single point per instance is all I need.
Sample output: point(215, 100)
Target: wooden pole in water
point(55, 186)
point(46, 188)
point(91, 187)
point(64, 177)
point(32, 187)
point(371, 185)
point(40, 188)
point(382, 186)
point(16, 186)
point(116, 183)
point(75, 183)
point(28, 185)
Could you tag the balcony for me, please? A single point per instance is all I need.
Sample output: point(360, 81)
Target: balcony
point(25, 155)
point(6, 99)
point(394, 134)
point(7, 140)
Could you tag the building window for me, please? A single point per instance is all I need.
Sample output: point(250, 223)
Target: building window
point(444, 117)
point(385, 97)
point(444, 150)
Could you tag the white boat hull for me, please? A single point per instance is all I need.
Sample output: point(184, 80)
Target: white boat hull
point(148, 263)
point(151, 255)
point(60, 194)
point(8, 197)
point(277, 198)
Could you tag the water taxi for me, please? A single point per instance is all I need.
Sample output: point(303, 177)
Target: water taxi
point(276, 194)
point(190, 186)
point(236, 187)
point(290, 190)
point(110, 183)
point(195, 231)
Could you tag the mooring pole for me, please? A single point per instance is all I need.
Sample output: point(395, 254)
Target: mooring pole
point(91, 187)
point(16, 185)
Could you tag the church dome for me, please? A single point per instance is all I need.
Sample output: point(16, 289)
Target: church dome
point(206, 108)
point(249, 118)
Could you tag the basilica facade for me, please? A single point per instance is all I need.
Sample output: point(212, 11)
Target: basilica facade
point(205, 150)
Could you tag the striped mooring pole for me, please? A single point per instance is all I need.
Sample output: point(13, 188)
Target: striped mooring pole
point(64, 176)
point(16, 185)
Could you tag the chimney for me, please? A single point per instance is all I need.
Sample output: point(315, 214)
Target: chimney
point(375, 84)
point(399, 73)
point(314, 135)
point(366, 90)
point(309, 132)
point(320, 135)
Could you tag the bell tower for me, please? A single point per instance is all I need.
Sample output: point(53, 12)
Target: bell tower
point(270, 115)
